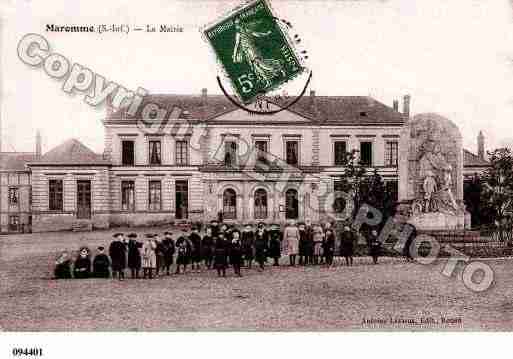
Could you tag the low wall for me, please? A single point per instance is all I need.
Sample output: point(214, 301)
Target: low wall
point(53, 222)
point(141, 219)
point(451, 236)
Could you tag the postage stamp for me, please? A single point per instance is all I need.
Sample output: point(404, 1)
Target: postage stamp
point(256, 55)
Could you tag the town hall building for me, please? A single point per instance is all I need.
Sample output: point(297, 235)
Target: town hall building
point(213, 160)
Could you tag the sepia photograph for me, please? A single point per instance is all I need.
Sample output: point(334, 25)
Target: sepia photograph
point(255, 166)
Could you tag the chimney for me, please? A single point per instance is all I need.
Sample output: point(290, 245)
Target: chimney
point(406, 105)
point(204, 96)
point(481, 145)
point(396, 105)
point(313, 102)
point(108, 104)
point(38, 144)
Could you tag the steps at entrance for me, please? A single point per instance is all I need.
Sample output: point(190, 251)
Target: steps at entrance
point(82, 226)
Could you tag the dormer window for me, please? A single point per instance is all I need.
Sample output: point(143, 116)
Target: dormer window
point(363, 114)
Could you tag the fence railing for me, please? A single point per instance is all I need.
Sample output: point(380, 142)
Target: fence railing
point(498, 233)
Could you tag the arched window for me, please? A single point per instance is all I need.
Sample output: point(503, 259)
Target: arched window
point(229, 204)
point(291, 204)
point(260, 204)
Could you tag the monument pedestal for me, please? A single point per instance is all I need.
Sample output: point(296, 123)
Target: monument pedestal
point(435, 221)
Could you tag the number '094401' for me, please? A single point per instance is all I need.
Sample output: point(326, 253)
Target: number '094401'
point(25, 352)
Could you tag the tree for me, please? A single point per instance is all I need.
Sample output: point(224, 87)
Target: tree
point(353, 177)
point(364, 188)
point(497, 186)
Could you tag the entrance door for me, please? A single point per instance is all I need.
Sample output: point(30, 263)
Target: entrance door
point(84, 199)
point(291, 204)
point(182, 199)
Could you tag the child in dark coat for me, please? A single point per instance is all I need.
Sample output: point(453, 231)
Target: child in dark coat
point(248, 244)
point(348, 238)
point(207, 248)
point(374, 246)
point(160, 253)
point(134, 255)
point(101, 264)
point(236, 253)
point(275, 239)
point(169, 251)
point(63, 266)
point(303, 258)
point(261, 246)
point(183, 246)
point(309, 242)
point(82, 265)
point(329, 246)
point(195, 239)
point(221, 254)
point(118, 256)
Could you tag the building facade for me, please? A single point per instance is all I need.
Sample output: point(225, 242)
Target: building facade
point(198, 158)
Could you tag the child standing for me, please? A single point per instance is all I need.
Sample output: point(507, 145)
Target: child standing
point(236, 253)
point(329, 246)
point(169, 251)
point(220, 254)
point(291, 237)
point(149, 257)
point(275, 243)
point(248, 243)
point(134, 255)
point(374, 246)
point(207, 248)
point(195, 239)
point(118, 256)
point(183, 247)
point(318, 238)
point(261, 245)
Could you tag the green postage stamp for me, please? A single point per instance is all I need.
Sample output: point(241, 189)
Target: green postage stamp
point(256, 55)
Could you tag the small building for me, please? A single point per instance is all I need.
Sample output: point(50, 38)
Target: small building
point(16, 189)
point(70, 189)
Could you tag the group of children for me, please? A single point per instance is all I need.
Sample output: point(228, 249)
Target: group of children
point(220, 247)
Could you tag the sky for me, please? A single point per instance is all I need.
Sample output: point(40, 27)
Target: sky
point(453, 57)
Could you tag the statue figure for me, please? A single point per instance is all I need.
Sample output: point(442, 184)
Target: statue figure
point(436, 177)
point(431, 162)
point(444, 197)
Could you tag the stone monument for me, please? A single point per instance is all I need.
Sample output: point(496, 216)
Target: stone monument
point(430, 172)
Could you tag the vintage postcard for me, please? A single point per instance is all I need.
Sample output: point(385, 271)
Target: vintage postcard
point(263, 165)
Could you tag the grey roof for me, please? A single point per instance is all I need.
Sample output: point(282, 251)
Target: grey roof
point(15, 161)
point(347, 110)
point(71, 152)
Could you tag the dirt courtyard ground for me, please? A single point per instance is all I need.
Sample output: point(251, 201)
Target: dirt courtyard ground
point(391, 295)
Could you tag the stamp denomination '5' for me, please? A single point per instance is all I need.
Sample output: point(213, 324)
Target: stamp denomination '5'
point(255, 53)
